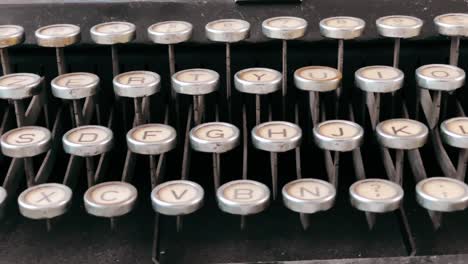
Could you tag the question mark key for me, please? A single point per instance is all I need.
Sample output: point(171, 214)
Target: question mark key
point(376, 195)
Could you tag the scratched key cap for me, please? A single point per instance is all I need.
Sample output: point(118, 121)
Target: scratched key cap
point(179, 197)
point(45, 201)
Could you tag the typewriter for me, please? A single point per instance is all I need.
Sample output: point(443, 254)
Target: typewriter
point(233, 132)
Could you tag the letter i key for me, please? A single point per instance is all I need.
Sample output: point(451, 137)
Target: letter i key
point(10, 35)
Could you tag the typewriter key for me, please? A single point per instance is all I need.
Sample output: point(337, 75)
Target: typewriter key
point(308, 195)
point(399, 26)
point(151, 139)
point(284, 27)
point(440, 77)
point(11, 35)
point(227, 30)
point(87, 141)
point(276, 136)
point(379, 79)
point(18, 86)
point(376, 195)
point(338, 135)
point(57, 36)
point(401, 133)
point(111, 33)
point(342, 27)
point(453, 24)
point(110, 199)
point(455, 132)
point(45, 201)
point(27, 141)
point(317, 78)
point(179, 197)
point(73, 86)
point(170, 32)
point(136, 84)
point(442, 194)
point(243, 197)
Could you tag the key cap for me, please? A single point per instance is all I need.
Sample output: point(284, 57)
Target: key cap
point(87, 141)
point(11, 35)
point(27, 141)
point(18, 86)
point(342, 27)
point(111, 33)
point(452, 24)
point(440, 77)
point(379, 79)
point(376, 195)
point(45, 201)
point(454, 132)
point(398, 26)
point(317, 78)
point(74, 86)
point(179, 197)
point(170, 32)
point(243, 197)
point(442, 194)
point(402, 133)
point(227, 30)
point(338, 135)
point(308, 196)
point(151, 139)
point(58, 35)
point(110, 199)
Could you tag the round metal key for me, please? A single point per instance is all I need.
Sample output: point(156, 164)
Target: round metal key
point(195, 81)
point(45, 201)
point(110, 199)
point(317, 78)
point(227, 30)
point(18, 86)
point(342, 27)
point(276, 136)
point(402, 133)
point(11, 35)
point(77, 85)
point(338, 135)
point(257, 81)
point(214, 137)
point(453, 24)
point(87, 141)
point(27, 141)
point(379, 79)
point(399, 26)
point(57, 36)
point(309, 195)
point(111, 33)
point(454, 132)
point(170, 32)
point(243, 197)
point(440, 77)
point(179, 197)
point(376, 195)
point(137, 84)
point(151, 139)
point(284, 27)
point(442, 194)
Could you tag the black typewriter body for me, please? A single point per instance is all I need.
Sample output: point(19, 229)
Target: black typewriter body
point(340, 235)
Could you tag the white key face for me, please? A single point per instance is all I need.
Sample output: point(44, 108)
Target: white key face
point(339, 130)
point(379, 73)
point(46, 195)
point(114, 28)
point(400, 21)
point(454, 19)
point(259, 76)
point(343, 22)
point(60, 30)
point(215, 132)
point(309, 190)
point(458, 126)
point(376, 190)
point(26, 136)
point(137, 79)
point(228, 25)
point(88, 136)
point(152, 133)
point(76, 80)
point(244, 193)
point(443, 189)
point(286, 23)
point(277, 132)
point(171, 27)
point(319, 73)
point(18, 80)
point(178, 193)
point(440, 72)
point(10, 30)
point(196, 76)
point(402, 128)
point(112, 193)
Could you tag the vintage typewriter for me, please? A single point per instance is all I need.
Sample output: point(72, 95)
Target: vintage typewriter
point(233, 131)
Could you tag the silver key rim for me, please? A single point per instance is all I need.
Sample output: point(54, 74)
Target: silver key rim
point(284, 33)
point(34, 211)
point(110, 210)
point(441, 205)
point(449, 29)
point(342, 33)
point(152, 147)
point(232, 207)
point(440, 84)
point(453, 139)
point(379, 85)
point(257, 87)
point(59, 41)
point(135, 91)
point(3, 199)
point(276, 145)
point(228, 36)
point(88, 150)
point(337, 144)
point(17, 92)
point(71, 92)
point(414, 141)
point(216, 145)
point(185, 208)
point(317, 85)
point(195, 88)
point(29, 149)
point(170, 37)
point(112, 38)
point(13, 38)
point(402, 31)
point(373, 205)
point(309, 206)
